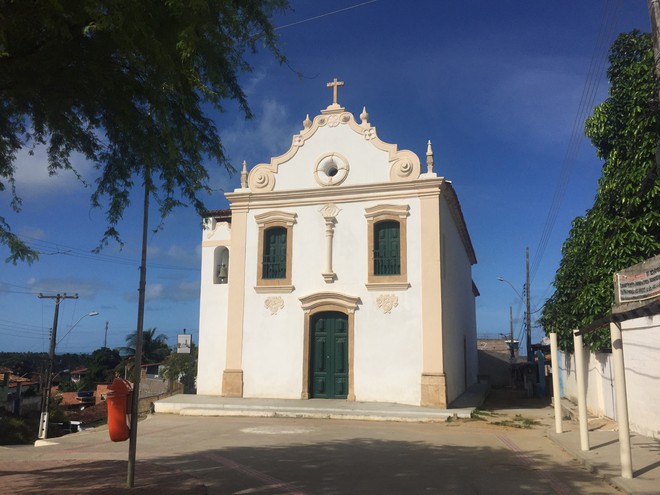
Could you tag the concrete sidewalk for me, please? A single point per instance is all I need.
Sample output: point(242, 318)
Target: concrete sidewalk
point(604, 458)
point(207, 405)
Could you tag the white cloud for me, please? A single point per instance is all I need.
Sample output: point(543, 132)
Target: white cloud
point(177, 255)
point(531, 102)
point(154, 291)
point(187, 291)
point(175, 292)
point(268, 134)
point(85, 288)
point(32, 232)
point(33, 179)
point(153, 251)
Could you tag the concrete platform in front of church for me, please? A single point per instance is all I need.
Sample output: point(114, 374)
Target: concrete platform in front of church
point(209, 405)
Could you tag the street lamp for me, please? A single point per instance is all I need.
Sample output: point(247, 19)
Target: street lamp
point(45, 398)
point(528, 325)
point(93, 313)
point(502, 279)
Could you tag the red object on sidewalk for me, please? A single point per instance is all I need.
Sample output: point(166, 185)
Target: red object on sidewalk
point(118, 399)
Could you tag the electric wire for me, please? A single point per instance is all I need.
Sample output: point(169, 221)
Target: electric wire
point(324, 15)
point(606, 33)
point(52, 248)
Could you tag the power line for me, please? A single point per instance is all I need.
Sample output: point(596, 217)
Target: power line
point(21, 335)
point(606, 33)
point(51, 248)
point(324, 15)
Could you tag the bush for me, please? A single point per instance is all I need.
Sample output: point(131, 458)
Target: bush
point(14, 430)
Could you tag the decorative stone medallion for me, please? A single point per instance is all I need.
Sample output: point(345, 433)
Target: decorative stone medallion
point(331, 169)
point(387, 302)
point(274, 304)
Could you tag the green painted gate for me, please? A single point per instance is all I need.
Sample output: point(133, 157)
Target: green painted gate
point(329, 355)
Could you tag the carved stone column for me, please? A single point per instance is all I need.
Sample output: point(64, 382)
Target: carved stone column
point(329, 212)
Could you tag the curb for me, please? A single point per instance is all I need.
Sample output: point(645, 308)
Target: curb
point(615, 481)
point(306, 414)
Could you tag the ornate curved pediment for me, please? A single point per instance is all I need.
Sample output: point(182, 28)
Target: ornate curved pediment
point(404, 164)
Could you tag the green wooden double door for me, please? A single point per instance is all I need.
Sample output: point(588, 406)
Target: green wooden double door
point(329, 355)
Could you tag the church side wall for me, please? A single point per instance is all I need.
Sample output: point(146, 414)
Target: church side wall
point(212, 321)
point(458, 309)
point(387, 346)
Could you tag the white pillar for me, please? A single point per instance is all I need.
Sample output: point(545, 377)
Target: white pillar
point(582, 391)
point(329, 233)
point(621, 400)
point(329, 212)
point(556, 398)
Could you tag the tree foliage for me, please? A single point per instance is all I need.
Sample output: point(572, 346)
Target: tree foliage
point(123, 83)
point(154, 347)
point(623, 226)
point(183, 368)
point(26, 363)
point(100, 368)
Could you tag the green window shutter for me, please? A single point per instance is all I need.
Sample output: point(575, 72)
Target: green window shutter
point(387, 248)
point(274, 262)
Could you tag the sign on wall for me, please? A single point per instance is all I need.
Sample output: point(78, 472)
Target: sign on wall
point(183, 343)
point(638, 283)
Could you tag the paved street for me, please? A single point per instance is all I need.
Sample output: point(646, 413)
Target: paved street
point(198, 455)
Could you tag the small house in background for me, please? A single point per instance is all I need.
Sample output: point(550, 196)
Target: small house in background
point(78, 374)
point(342, 269)
point(152, 370)
point(19, 395)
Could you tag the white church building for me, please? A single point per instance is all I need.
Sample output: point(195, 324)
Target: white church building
point(341, 270)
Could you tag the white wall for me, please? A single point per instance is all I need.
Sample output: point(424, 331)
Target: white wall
point(387, 347)
point(458, 312)
point(641, 348)
point(212, 316)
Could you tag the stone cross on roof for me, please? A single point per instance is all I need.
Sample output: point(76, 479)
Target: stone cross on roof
point(334, 107)
point(335, 85)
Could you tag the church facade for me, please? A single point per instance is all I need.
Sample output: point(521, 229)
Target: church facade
point(341, 270)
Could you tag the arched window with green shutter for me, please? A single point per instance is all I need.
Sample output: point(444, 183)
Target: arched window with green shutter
point(387, 248)
point(274, 258)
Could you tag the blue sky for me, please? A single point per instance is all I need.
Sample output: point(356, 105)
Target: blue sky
point(496, 86)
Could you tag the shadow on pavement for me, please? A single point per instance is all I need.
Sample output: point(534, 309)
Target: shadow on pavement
point(509, 398)
point(78, 477)
point(368, 466)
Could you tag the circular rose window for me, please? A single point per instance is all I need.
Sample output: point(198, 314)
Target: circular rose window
point(331, 169)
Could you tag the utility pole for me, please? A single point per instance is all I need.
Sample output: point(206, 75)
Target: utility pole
point(105, 339)
point(45, 397)
point(654, 15)
point(137, 363)
point(528, 322)
point(511, 348)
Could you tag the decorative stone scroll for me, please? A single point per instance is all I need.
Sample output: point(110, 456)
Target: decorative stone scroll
point(261, 179)
point(405, 166)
